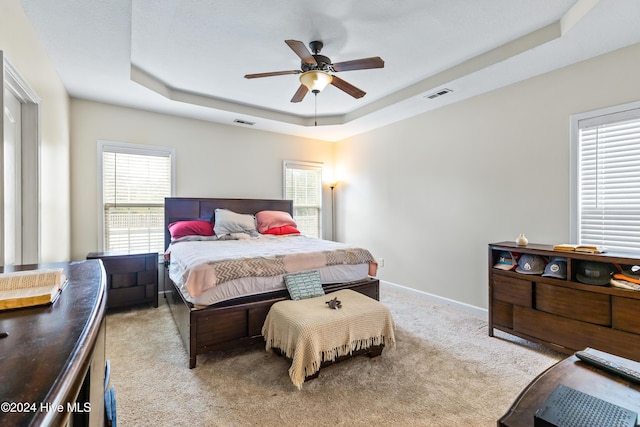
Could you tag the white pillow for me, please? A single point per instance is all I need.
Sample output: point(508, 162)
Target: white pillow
point(229, 222)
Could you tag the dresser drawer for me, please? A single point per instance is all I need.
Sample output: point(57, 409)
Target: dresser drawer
point(512, 290)
point(502, 314)
point(574, 304)
point(575, 335)
point(625, 314)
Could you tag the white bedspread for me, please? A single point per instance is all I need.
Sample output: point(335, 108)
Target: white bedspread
point(243, 266)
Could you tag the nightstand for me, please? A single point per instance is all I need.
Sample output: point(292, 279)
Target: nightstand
point(132, 278)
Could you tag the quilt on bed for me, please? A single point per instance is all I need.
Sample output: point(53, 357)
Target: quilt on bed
point(201, 264)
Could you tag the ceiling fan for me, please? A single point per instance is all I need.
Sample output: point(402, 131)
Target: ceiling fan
point(317, 70)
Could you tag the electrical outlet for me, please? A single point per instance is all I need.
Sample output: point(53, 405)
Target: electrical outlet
point(380, 262)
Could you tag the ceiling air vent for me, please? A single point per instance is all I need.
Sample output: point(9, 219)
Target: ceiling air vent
point(244, 122)
point(439, 93)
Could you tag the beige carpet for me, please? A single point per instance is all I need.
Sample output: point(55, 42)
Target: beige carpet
point(445, 371)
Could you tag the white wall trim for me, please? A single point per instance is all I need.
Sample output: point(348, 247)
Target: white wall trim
point(479, 311)
point(18, 85)
point(30, 168)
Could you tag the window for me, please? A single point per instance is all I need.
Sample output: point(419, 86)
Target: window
point(135, 181)
point(605, 177)
point(303, 185)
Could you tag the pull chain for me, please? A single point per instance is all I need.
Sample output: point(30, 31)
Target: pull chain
point(316, 108)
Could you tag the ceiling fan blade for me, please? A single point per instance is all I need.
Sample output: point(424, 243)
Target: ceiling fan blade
point(300, 93)
point(273, 73)
point(301, 50)
point(359, 64)
point(347, 87)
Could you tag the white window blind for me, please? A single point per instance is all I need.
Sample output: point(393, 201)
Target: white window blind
point(303, 185)
point(609, 180)
point(135, 182)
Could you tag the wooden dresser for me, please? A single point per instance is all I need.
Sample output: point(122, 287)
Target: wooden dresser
point(564, 314)
point(52, 363)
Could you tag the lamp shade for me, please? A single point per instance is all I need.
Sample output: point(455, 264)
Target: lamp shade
point(315, 80)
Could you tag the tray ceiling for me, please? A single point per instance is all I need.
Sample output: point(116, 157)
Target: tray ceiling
point(188, 57)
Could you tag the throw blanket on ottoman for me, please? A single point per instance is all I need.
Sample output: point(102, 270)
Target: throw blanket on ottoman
point(309, 332)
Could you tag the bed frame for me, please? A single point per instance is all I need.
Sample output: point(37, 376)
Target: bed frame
point(237, 322)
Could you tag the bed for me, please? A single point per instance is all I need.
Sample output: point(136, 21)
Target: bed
point(237, 321)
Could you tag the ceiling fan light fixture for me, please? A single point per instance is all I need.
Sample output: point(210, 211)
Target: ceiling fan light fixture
point(316, 80)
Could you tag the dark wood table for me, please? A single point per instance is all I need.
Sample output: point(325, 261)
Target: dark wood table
point(52, 363)
point(574, 373)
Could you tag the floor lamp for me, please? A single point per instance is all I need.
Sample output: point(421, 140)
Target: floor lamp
point(332, 186)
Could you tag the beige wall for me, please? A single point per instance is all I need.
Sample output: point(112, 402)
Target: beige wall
point(429, 193)
point(22, 48)
point(212, 160)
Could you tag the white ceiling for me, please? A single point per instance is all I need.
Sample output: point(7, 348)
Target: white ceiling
point(188, 57)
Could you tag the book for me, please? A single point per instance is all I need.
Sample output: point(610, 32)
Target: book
point(565, 247)
point(590, 249)
point(30, 288)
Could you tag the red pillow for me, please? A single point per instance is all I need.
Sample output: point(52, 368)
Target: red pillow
point(279, 231)
point(196, 227)
point(266, 220)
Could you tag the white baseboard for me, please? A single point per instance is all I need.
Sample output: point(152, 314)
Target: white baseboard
point(468, 307)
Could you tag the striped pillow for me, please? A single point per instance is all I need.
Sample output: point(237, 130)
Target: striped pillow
point(304, 285)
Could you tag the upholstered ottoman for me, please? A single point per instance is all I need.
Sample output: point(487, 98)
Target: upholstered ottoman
point(310, 333)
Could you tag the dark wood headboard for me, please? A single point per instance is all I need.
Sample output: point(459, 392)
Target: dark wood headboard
point(185, 208)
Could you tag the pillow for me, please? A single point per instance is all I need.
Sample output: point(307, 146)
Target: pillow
point(196, 227)
point(304, 285)
point(229, 222)
point(280, 231)
point(272, 219)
